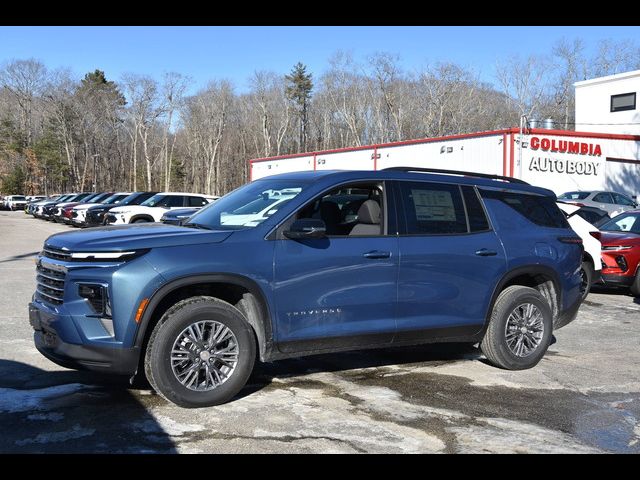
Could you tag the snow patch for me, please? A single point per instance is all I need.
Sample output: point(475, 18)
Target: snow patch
point(498, 435)
point(12, 400)
point(53, 416)
point(56, 437)
point(166, 425)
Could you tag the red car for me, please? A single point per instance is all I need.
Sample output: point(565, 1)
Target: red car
point(621, 251)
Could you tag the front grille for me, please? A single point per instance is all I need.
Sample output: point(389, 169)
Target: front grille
point(56, 253)
point(50, 284)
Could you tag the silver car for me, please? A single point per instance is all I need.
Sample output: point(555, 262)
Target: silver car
point(612, 202)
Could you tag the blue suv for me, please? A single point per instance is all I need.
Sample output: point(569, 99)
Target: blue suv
point(311, 262)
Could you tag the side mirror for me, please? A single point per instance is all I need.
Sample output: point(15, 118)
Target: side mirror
point(306, 228)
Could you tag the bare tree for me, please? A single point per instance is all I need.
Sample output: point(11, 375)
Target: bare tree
point(25, 80)
point(525, 82)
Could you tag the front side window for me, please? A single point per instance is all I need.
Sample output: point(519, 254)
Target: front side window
point(249, 205)
point(622, 200)
point(353, 210)
point(432, 208)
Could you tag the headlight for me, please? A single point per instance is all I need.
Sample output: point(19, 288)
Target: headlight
point(107, 256)
point(183, 216)
point(616, 247)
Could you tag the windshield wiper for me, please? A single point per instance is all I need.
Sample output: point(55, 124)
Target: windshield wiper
point(197, 225)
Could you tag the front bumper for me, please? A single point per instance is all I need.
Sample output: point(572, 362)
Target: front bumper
point(119, 361)
point(612, 280)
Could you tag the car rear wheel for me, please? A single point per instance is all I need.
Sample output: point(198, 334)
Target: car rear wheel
point(519, 330)
point(200, 353)
point(141, 220)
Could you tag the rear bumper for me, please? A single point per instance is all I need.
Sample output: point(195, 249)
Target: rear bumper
point(568, 315)
point(118, 361)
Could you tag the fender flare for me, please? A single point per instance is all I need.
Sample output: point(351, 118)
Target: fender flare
point(263, 326)
point(535, 269)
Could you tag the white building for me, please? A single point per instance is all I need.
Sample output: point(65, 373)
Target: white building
point(608, 104)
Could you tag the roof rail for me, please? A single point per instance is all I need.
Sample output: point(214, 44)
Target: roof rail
point(455, 172)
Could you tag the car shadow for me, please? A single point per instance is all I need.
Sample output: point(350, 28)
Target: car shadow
point(421, 355)
point(64, 411)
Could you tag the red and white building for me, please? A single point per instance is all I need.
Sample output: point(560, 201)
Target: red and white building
point(559, 160)
point(605, 158)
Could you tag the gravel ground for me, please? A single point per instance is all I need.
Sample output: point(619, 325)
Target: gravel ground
point(583, 397)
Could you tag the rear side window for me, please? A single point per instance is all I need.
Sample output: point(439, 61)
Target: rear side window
point(197, 201)
point(432, 208)
point(540, 210)
point(622, 200)
point(603, 198)
point(475, 213)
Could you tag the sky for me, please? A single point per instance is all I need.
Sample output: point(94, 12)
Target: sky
point(234, 53)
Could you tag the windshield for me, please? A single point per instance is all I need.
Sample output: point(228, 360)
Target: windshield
point(249, 205)
point(117, 198)
point(19, 198)
point(625, 222)
point(153, 201)
point(574, 196)
point(99, 198)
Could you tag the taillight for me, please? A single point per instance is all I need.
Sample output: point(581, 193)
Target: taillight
point(596, 235)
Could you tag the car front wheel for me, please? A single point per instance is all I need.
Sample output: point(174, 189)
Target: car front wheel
point(200, 353)
point(519, 330)
point(635, 286)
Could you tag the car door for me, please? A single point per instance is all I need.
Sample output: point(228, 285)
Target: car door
point(338, 291)
point(450, 261)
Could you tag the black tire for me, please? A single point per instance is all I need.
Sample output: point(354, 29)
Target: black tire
point(586, 274)
point(494, 344)
point(157, 362)
point(141, 220)
point(635, 286)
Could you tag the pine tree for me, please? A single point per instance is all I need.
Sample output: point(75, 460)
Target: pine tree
point(298, 89)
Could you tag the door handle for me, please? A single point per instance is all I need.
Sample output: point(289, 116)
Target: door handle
point(376, 254)
point(483, 252)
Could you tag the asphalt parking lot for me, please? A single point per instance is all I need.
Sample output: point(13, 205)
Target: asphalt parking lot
point(583, 397)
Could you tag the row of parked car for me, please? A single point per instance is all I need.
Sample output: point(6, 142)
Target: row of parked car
point(613, 220)
point(90, 209)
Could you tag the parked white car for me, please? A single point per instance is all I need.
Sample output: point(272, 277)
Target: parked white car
point(79, 212)
point(591, 264)
point(15, 202)
point(152, 209)
point(612, 202)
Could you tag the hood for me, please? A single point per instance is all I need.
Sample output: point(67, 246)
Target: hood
point(620, 238)
point(137, 208)
point(176, 212)
point(129, 237)
point(84, 206)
